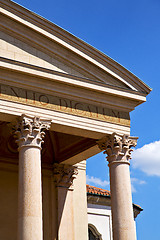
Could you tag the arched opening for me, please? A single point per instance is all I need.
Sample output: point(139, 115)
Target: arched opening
point(93, 233)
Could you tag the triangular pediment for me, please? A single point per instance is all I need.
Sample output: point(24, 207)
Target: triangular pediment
point(30, 39)
point(14, 49)
point(21, 51)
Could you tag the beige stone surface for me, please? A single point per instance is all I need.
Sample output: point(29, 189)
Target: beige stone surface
point(58, 41)
point(80, 203)
point(14, 49)
point(9, 203)
point(65, 214)
point(37, 54)
point(30, 132)
point(66, 105)
point(30, 195)
point(49, 201)
point(121, 203)
point(89, 104)
point(64, 176)
point(118, 149)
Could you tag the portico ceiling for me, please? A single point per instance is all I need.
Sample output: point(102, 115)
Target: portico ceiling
point(57, 146)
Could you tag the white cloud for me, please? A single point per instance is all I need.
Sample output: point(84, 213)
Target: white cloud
point(134, 182)
point(96, 181)
point(147, 159)
point(133, 188)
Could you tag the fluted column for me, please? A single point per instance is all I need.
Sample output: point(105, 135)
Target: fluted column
point(30, 132)
point(118, 149)
point(64, 176)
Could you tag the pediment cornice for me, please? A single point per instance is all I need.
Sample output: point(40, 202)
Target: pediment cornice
point(52, 82)
point(45, 35)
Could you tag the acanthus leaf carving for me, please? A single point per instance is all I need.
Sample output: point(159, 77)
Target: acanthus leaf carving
point(30, 131)
point(64, 175)
point(117, 147)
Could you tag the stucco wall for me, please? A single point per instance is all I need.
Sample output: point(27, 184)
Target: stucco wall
point(100, 217)
point(8, 202)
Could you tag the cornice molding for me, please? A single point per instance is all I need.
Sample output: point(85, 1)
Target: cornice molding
point(78, 47)
point(81, 84)
point(81, 165)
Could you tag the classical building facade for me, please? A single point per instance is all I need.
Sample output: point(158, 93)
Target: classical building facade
point(61, 102)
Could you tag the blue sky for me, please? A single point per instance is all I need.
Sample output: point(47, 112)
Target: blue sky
point(128, 32)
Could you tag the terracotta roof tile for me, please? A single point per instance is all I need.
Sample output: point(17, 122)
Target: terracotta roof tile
point(97, 191)
point(102, 192)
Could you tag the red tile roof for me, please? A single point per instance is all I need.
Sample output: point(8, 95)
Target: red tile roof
point(102, 192)
point(97, 191)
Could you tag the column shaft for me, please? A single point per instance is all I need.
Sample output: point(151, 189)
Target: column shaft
point(64, 176)
point(121, 203)
point(80, 202)
point(118, 149)
point(30, 131)
point(30, 194)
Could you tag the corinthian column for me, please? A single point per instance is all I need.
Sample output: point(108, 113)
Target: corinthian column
point(118, 149)
point(30, 132)
point(64, 176)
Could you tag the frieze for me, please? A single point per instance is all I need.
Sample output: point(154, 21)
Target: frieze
point(52, 102)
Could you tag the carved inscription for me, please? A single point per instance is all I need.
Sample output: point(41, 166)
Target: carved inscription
point(59, 104)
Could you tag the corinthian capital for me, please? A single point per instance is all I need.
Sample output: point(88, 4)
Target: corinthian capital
point(117, 147)
point(31, 131)
point(64, 175)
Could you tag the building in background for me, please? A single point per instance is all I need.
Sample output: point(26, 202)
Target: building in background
point(61, 102)
point(99, 213)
